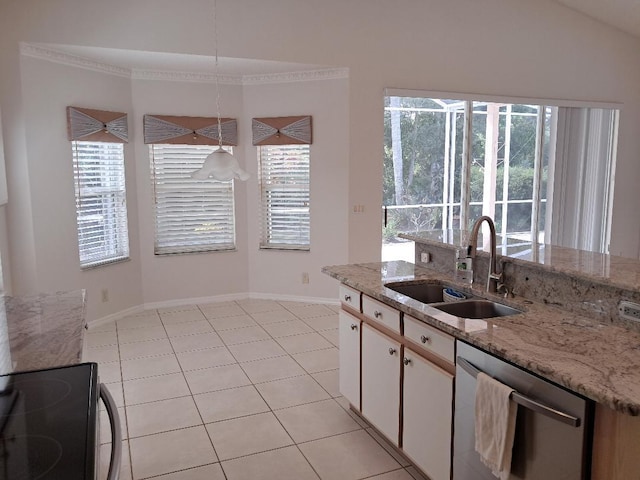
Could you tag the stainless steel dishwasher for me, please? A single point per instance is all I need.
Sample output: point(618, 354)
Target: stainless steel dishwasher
point(553, 426)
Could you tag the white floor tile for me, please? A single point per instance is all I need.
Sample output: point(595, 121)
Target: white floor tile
point(223, 311)
point(291, 391)
point(259, 305)
point(287, 328)
point(103, 327)
point(318, 360)
point(388, 447)
point(211, 357)
point(247, 435)
point(115, 389)
point(349, 456)
point(162, 416)
point(304, 343)
point(247, 352)
point(330, 381)
point(170, 451)
point(266, 318)
point(243, 335)
point(208, 472)
point(172, 318)
point(155, 388)
point(149, 348)
point(270, 369)
point(141, 334)
point(149, 367)
point(309, 311)
point(104, 354)
point(320, 324)
point(109, 372)
point(395, 475)
point(188, 328)
point(229, 323)
point(232, 403)
point(140, 321)
point(331, 335)
point(101, 339)
point(105, 456)
point(105, 426)
point(201, 341)
point(281, 464)
point(316, 420)
point(216, 378)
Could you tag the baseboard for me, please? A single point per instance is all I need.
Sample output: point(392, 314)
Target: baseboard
point(211, 299)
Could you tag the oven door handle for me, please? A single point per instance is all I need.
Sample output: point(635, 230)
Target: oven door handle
point(525, 401)
point(116, 434)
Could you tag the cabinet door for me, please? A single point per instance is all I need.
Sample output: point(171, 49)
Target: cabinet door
point(381, 382)
point(427, 416)
point(349, 338)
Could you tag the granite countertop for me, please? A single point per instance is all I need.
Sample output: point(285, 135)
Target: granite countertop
point(599, 361)
point(41, 331)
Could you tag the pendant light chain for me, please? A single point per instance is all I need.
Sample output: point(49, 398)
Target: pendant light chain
point(215, 42)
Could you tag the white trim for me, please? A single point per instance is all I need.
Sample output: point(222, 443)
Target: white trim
point(63, 58)
point(182, 302)
point(115, 316)
point(55, 56)
point(389, 91)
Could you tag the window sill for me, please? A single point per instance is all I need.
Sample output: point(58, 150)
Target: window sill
point(104, 263)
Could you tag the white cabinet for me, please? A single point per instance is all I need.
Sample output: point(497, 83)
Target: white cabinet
point(349, 341)
point(427, 415)
point(381, 381)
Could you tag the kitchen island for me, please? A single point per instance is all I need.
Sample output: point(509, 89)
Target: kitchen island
point(41, 330)
point(585, 352)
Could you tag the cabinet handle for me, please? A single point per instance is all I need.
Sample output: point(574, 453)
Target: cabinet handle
point(347, 298)
point(406, 361)
point(377, 314)
point(354, 326)
point(392, 351)
point(425, 339)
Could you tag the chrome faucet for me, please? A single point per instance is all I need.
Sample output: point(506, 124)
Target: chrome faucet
point(494, 280)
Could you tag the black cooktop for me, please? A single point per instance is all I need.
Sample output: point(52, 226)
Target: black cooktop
point(48, 424)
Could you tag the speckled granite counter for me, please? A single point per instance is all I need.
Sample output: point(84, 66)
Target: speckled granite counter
point(41, 331)
point(598, 360)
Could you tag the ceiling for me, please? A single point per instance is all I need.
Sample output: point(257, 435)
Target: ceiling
point(174, 62)
point(622, 14)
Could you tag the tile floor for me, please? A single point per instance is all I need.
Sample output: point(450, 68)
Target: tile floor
point(235, 390)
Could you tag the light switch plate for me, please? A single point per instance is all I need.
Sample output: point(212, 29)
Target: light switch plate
point(425, 257)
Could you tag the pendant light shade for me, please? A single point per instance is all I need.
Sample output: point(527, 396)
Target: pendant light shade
point(220, 166)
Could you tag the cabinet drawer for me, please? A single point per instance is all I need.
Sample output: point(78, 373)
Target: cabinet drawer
point(350, 296)
point(381, 313)
point(429, 338)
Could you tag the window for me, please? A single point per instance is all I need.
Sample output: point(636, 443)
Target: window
point(101, 207)
point(447, 162)
point(284, 197)
point(190, 215)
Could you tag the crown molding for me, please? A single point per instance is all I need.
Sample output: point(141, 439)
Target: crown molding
point(195, 77)
point(300, 76)
point(56, 56)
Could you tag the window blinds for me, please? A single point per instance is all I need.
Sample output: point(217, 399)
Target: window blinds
point(190, 215)
point(284, 187)
point(101, 207)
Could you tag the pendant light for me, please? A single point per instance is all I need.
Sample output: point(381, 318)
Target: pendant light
point(219, 165)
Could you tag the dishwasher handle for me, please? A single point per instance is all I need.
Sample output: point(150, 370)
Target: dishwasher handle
point(525, 401)
point(116, 434)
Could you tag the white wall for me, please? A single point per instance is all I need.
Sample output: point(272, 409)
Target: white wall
point(174, 277)
point(48, 88)
point(280, 272)
point(531, 48)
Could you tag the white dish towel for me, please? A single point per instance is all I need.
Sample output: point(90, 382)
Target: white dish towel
point(495, 424)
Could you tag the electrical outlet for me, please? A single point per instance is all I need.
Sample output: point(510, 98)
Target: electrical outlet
point(425, 257)
point(105, 295)
point(629, 310)
point(305, 277)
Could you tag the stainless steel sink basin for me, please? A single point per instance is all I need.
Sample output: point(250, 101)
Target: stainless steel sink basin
point(477, 309)
point(422, 292)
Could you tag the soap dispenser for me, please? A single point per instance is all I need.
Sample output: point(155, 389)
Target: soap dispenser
point(464, 265)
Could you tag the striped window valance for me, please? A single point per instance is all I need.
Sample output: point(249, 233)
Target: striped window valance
point(89, 125)
point(167, 129)
point(282, 130)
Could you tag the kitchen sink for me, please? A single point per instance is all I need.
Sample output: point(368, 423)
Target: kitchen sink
point(477, 309)
point(422, 292)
